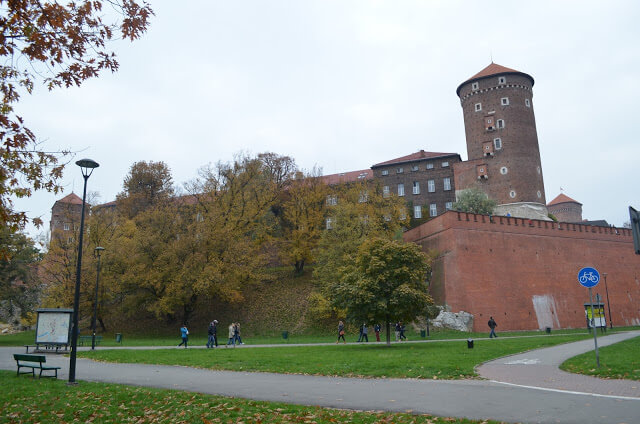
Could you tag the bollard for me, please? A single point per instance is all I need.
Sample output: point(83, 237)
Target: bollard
point(469, 343)
point(548, 330)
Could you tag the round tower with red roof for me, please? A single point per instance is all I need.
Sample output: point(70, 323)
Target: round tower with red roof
point(502, 141)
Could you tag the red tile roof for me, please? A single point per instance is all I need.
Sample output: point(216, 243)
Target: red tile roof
point(561, 198)
point(414, 157)
point(72, 199)
point(348, 177)
point(493, 69)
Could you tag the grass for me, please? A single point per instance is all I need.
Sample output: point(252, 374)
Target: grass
point(442, 359)
point(620, 360)
point(28, 400)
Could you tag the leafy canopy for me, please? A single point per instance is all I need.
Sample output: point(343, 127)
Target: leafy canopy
point(474, 200)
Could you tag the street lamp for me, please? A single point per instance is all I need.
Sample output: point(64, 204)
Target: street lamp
point(608, 306)
point(98, 250)
point(87, 166)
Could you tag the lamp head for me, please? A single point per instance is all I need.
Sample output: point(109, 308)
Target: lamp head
point(87, 166)
point(98, 250)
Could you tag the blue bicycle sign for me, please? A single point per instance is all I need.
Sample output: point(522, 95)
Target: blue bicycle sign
point(589, 277)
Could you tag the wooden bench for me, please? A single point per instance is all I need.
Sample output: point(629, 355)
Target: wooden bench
point(33, 362)
point(87, 339)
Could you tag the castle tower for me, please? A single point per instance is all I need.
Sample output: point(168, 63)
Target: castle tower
point(565, 209)
point(502, 142)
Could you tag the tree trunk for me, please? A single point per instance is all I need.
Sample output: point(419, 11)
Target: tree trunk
point(299, 266)
point(104, 328)
point(388, 332)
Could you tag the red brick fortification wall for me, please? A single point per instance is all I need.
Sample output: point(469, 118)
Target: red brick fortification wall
point(524, 272)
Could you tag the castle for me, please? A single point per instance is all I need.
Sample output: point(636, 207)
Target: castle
point(518, 265)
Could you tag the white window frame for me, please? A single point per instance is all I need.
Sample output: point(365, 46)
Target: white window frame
point(475, 86)
point(445, 164)
point(448, 206)
point(446, 182)
point(385, 172)
point(433, 209)
point(502, 80)
point(363, 197)
point(430, 165)
point(504, 101)
point(417, 212)
point(415, 168)
point(527, 102)
point(416, 187)
point(478, 107)
point(385, 191)
point(431, 186)
point(399, 170)
point(500, 123)
point(329, 223)
point(332, 200)
point(497, 143)
point(66, 226)
point(400, 189)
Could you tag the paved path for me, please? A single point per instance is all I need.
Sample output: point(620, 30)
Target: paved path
point(476, 399)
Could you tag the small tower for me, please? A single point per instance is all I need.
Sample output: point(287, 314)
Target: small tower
point(65, 215)
point(502, 142)
point(565, 209)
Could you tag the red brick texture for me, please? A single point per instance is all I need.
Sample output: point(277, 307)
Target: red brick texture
point(524, 272)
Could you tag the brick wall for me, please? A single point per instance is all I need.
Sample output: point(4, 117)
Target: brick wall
point(524, 272)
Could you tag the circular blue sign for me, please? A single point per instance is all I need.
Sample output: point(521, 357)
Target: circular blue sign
point(589, 277)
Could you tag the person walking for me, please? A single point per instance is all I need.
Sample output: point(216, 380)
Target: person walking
point(402, 336)
point(397, 331)
point(360, 334)
point(237, 334)
point(341, 332)
point(184, 333)
point(364, 332)
point(212, 331)
point(232, 332)
point(492, 325)
point(377, 328)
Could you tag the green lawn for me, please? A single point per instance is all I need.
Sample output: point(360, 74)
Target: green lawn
point(27, 400)
point(620, 360)
point(441, 359)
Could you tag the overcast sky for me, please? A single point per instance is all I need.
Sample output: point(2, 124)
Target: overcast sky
point(346, 84)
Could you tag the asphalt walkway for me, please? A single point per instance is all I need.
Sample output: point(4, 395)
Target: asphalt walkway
point(508, 394)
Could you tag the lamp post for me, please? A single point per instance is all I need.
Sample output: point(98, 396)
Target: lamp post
point(87, 166)
point(606, 289)
point(98, 250)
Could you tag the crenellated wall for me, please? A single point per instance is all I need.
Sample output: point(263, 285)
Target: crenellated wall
point(523, 272)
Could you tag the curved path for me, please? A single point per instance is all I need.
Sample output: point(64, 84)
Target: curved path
point(475, 399)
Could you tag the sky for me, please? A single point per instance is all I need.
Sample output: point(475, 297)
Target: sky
point(343, 85)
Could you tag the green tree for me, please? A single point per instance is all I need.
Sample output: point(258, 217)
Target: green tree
point(474, 200)
point(60, 45)
point(387, 281)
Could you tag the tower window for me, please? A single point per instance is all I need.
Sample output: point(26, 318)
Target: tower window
point(504, 101)
point(502, 80)
point(504, 170)
point(497, 143)
point(500, 123)
point(512, 194)
point(527, 102)
point(478, 107)
point(475, 86)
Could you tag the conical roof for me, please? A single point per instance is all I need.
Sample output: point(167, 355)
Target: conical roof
point(562, 198)
point(491, 70)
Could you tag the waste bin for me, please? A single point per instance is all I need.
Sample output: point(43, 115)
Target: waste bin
point(285, 335)
point(119, 338)
point(547, 330)
point(423, 333)
point(469, 343)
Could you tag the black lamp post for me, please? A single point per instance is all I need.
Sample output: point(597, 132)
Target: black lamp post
point(87, 166)
point(606, 289)
point(98, 250)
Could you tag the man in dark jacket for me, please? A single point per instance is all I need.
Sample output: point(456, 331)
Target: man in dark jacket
point(492, 325)
point(213, 334)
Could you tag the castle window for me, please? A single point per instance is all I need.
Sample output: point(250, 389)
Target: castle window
point(527, 102)
point(475, 86)
point(414, 168)
point(66, 226)
point(448, 206)
point(431, 186)
point(332, 200)
point(385, 172)
point(488, 123)
point(430, 166)
point(447, 184)
point(399, 170)
point(504, 170)
point(478, 107)
point(497, 143)
point(504, 101)
point(416, 187)
point(385, 191)
point(417, 212)
point(500, 123)
point(539, 194)
point(502, 80)
point(400, 189)
point(329, 224)
point(445, 164)
point(433, 210)
point(512, 194)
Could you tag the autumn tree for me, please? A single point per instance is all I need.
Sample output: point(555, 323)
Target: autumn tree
point(475, 201)
point(386, 281)
point(147, 184)
point(59, 45)
point(302, 218)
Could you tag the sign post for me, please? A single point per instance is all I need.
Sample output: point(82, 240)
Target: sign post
point(590, 277)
